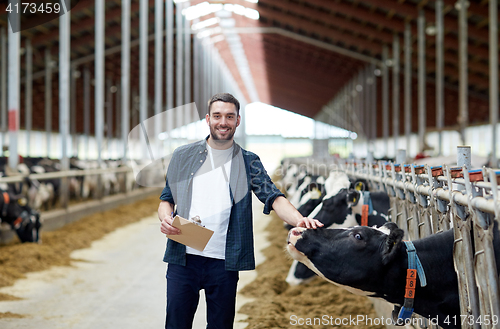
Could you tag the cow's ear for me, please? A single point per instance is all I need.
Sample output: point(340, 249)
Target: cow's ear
point(392, 242)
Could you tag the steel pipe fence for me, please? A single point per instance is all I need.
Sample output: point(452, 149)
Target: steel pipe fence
point(426, 200)
point(124, 175)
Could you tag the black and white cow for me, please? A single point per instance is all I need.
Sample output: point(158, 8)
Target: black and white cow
point(341, 208)
point(373, 262)
point(309, 194)
point(21, 218)
point(292, 179)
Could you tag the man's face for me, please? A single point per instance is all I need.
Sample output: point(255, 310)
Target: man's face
point(223, 120)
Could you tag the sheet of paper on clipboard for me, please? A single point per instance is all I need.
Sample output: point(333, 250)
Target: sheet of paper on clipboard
point(192, 235)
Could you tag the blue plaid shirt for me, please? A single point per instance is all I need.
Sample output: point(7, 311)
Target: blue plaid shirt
point(247, 174)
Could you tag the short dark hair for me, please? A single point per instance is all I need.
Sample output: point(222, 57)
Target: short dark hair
point(226, 98)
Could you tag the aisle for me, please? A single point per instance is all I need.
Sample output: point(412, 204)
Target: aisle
point(119, 282)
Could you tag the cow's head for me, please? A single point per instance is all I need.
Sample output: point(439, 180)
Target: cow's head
point(22, 218)
point(334, 209)
point(355, 257)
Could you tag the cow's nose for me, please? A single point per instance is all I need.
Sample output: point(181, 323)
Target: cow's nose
point(296, 232)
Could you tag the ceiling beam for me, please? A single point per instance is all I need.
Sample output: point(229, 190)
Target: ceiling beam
point(474, 8)
point(336, 36)
point(85, 24)
point(411, 11)
point(395, 25)
point(315, 16)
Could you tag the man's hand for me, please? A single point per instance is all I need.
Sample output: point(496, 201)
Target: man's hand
point(167, 228)
point(165, 212)
point(287, 212)
point(309, 223)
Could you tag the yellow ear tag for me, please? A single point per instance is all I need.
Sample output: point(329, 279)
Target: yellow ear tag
point(315, 194)
point(22, 202)
point(359, 186)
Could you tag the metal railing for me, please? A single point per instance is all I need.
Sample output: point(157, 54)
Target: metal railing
point(64, 175)
point(426, 200)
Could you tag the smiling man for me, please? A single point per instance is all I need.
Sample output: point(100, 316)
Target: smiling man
point(213, 179)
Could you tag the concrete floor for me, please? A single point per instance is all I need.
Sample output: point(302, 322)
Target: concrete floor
point(119, 283)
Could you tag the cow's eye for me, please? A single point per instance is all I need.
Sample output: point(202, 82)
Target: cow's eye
point(358, 236)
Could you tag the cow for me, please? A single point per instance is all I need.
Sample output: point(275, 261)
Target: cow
point(373, 262)
point(311, 187)
point(311, 196)
point(21, 218)
point(292, 180)
point(341, 208)
point(289, 178)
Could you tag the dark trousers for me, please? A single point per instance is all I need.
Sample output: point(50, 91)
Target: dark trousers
point(184, 284)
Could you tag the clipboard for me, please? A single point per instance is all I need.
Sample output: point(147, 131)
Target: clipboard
point(192, 235)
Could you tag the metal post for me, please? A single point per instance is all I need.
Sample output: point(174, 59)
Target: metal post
point(422, 111)
point(134, 112)
point(118, 120)
point(373, 101)
point(196, 72)
point(14, 96)
point(463, 80)
point(72, 112)
point(395, 92)
point(179, 58)
point(206, 73)
point(99, 78)
point(493, 10)
point(464, 157)
point(347, 106)
point(369, 114)
point(64, 98)
point(385, 98)
point(187, 63)
point(401, 156)
point(28, 103)
point(360, 106)
point(439, 73)
point(99, 87)
point(169, 18)
point(143, 64)
point(408, 78)
point(3, 88)
point(158, 66)
point(48, 98)
point(213, 69)
point(109, 115)
point(125, 77)
point(86, 109)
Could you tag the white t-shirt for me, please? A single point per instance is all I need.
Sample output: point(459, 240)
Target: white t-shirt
point(211, 200)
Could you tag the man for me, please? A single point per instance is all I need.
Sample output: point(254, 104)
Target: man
point(213, 179)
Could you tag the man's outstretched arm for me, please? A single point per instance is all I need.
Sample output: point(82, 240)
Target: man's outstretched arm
point(288, 213)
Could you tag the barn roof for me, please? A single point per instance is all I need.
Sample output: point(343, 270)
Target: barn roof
point(301, 54)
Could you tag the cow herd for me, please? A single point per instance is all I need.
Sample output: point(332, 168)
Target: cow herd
point(368, 256)
point(21, 202)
